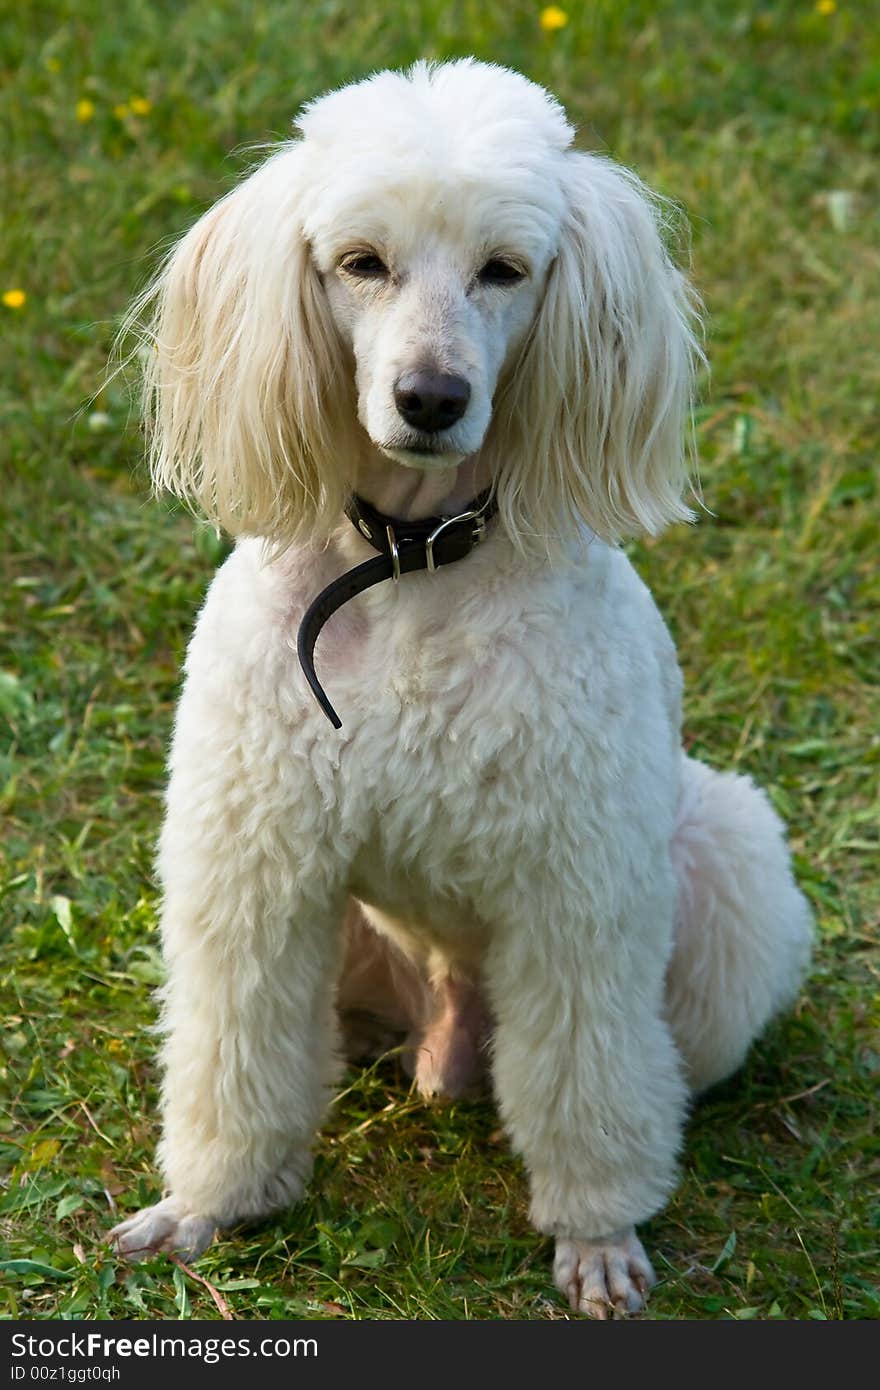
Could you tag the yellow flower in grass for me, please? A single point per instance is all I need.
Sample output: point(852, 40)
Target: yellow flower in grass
point(826, 6)
point(85, 110)
point(15, 299)
point(552, 18)
point(141, 106)
point(120, 110)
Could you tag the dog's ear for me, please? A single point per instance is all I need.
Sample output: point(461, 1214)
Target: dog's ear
point(241, 359)
point(598, 407)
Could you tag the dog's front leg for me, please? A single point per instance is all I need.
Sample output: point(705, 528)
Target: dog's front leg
point(589, 1083)
point(252, 935)
point(248, 1057)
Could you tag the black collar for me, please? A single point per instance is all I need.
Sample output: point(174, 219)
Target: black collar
point(404, 546)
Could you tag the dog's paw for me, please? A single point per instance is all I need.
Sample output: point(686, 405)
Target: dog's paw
point(168, 1227)
point(448, 1064)
point(601, 1277)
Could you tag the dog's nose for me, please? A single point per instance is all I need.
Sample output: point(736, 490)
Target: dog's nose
point(431, 401)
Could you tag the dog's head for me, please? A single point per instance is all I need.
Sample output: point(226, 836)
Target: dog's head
point(428, 271)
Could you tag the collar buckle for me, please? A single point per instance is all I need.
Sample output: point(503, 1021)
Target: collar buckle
point(477, 535)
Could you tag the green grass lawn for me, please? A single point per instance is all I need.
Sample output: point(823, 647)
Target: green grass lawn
point(120, 126)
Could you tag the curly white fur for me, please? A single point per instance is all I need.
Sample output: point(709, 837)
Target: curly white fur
point(507, 800)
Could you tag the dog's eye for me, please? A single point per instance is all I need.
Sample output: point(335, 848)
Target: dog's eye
point(366, 265)
point(500, 272)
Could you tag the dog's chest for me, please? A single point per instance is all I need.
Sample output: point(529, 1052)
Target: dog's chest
point(427, 887)
point(422, 783)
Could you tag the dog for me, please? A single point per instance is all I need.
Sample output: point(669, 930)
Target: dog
point(430, 365)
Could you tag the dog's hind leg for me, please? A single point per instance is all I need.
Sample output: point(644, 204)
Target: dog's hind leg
point(744, 928)
point(389, 996)
point(451, 1052)
point(383, 993)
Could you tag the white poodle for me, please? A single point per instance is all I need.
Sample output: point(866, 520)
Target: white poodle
point(429, 332)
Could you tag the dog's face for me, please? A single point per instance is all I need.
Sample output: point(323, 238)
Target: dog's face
point(426, 274)
point(433, 307)
point(433, 242)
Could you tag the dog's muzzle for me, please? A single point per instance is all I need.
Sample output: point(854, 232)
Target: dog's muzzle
point(404, 547)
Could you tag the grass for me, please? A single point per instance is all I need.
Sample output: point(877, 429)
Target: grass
point(763, 121)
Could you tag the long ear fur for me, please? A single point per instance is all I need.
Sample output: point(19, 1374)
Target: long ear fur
point(248, 410)
point(595, 417)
